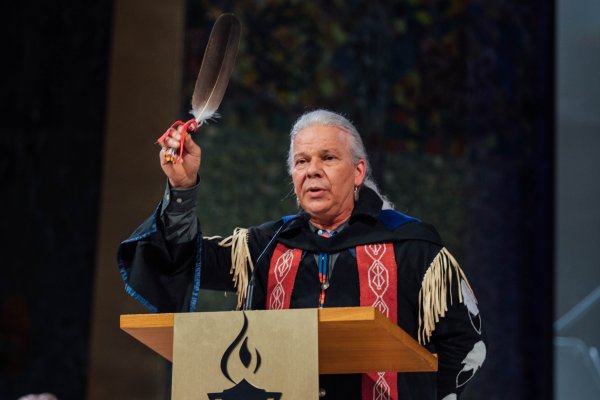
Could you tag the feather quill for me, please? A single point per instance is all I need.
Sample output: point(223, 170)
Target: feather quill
point(213, 77)
point(217, 66)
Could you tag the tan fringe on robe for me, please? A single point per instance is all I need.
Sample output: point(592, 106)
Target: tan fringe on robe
point(436, 290)
point(241, 263)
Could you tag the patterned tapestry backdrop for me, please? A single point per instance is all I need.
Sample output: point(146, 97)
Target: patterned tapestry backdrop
point(454, 102)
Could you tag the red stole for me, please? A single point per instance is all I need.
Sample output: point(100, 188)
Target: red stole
point(377, 275)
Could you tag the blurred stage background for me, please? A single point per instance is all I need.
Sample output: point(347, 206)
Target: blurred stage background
point(480, 117)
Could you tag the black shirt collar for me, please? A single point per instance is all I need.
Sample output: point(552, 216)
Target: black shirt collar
point(368, 205)
point(364, 216)
point(367, 208)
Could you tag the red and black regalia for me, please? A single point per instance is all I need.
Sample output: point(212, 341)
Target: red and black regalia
point(380, 257)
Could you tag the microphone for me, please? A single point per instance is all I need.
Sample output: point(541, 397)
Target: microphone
point(250, 290)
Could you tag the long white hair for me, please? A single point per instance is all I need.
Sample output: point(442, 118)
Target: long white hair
point(357, 148)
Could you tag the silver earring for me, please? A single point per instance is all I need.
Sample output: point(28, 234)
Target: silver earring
point(355, 194)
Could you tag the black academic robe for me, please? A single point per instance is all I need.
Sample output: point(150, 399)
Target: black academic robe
point(175, 278)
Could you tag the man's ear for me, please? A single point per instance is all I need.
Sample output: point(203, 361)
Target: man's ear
point(360, 172)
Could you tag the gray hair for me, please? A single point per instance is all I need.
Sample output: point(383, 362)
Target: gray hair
point(357, 148)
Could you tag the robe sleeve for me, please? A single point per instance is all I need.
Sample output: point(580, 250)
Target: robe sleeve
point(450, 323)
point(166, 276)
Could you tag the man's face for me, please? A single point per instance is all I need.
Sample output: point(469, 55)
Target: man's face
point(324, 175)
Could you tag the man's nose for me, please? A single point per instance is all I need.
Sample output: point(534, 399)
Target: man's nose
point(314, 169)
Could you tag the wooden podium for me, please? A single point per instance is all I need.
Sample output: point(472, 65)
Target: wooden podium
point(350, 340)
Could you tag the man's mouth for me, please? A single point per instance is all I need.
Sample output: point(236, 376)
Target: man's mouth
point(315, 190)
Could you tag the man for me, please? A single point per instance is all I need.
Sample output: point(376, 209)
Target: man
point(346, 247)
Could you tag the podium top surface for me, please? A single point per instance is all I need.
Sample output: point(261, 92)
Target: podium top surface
point(351, 340)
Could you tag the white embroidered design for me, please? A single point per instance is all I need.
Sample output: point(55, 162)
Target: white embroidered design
point(282, 268)
point(381, 389)
point(471, 304)
point(378, 276)
point(472, 363)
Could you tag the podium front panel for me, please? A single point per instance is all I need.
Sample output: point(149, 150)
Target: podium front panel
point(233, 355)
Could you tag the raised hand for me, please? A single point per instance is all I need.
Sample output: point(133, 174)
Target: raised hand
point(182, 173)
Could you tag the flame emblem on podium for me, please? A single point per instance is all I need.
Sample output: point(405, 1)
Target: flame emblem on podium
point(242, 390)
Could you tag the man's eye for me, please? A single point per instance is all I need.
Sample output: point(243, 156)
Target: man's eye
point(300, 161)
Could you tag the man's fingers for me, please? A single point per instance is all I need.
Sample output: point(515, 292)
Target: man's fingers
point(171, 147)
point(166, 155)
point(161, 155)
point(173, 140)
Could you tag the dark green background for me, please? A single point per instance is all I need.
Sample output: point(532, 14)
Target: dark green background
point(453, 99)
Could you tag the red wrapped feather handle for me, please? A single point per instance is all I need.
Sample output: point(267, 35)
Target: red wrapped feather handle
point(187, 127)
